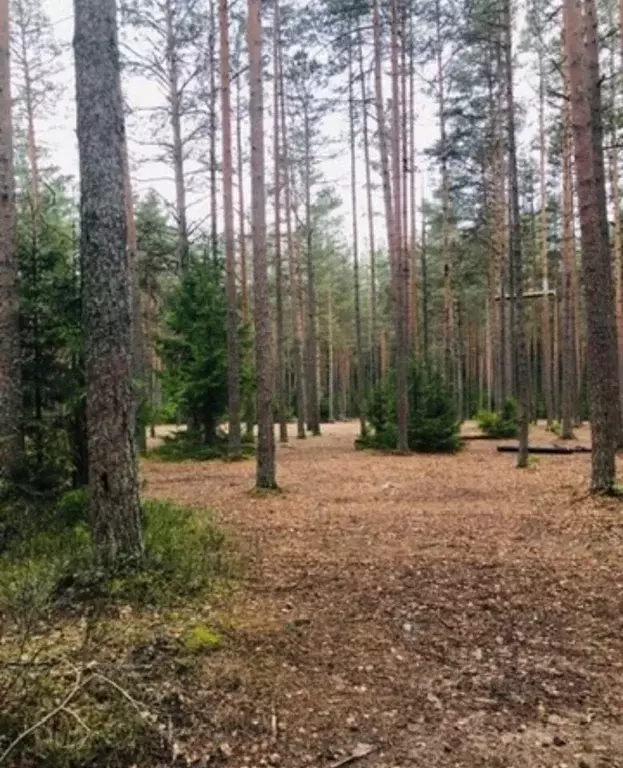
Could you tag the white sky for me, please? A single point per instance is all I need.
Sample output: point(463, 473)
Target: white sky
point(59, 137)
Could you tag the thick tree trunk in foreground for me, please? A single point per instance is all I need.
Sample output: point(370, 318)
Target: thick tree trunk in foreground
point(113, 466)
point(233, 347)
point(581, 52)
point(265, 477)
point(10, 364)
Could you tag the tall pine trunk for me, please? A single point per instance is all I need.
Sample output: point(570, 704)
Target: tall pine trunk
point(280, 373)
point(401, 339)
point(10, 363)
point(294, 268)
point(546, 332)
point(361, 390)
point(266, 475)
point(582, 57)
point(313, 400)
point(177, 146)
point(233, 347)
point(516, 253)
point(374, 342)
point(107, 311)
point(569, 379)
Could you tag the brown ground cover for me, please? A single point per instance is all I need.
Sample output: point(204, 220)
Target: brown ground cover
point(445, 610)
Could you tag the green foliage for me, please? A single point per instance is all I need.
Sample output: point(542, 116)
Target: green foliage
point(433, 423)
point(202, 639)
point(184, 447)
point(51, 341)
point(194, 349)
point(500, 425)
point(53, 559)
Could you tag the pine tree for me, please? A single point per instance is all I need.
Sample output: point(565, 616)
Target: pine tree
point(113, 465)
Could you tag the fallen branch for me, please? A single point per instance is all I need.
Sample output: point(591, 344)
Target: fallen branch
point(62, 707)
point(559, 450)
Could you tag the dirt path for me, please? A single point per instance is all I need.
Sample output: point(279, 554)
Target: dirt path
point(448, 611)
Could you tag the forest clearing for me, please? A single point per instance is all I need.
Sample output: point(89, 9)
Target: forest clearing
point(305, 311)
point(413, 604)
point(409, 604)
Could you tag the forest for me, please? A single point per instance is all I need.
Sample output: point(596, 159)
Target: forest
point(311, 383)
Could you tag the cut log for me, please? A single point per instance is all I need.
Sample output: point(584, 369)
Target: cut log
point(548, 449)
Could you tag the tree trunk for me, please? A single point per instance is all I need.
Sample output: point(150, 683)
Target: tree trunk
point(280, 373)
point(448, 322)
point(113, 466)
point(313, 401)
point(581, 50)
point(521, 355)
point(248, 406)
point(177, 142)
point(361, 389)
point(10, 361)
point(139, 361)
point(266, 476)
point(374, 348)
point(213, 134)
point(233, 347)
point(569, 380)
point(546, 334)
point(401, 339)
point(294, 268)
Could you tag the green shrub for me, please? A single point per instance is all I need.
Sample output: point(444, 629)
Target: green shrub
point(502, 424)
point(185, 447)
point(433, 424)
point(185, 554)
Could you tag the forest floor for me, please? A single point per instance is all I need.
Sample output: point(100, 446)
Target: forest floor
point(442, 610)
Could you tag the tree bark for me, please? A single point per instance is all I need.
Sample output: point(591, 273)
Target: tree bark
point(10, 361)
point(113, 466)
point(266, 475)
point(374, 342)
point(581, 50)
point(139, 357)
point(516, 252)
point(361, 389)
point(546, 333)
point(178, 144)
point(280, 373)
point(401, 339)
point(233, 346)
point(313, 400)
point(569, 379)
point(294, 268)
point(213, 134)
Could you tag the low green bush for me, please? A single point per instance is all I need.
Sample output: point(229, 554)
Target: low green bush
point(433, 423)
point(502, 424)
point(185, 553)
point(183, 447)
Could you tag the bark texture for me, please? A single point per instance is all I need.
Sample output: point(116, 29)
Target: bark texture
point(266, 476)
point(10, 364)
point(583, 63)
point(113, 466)
point(233, 347)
